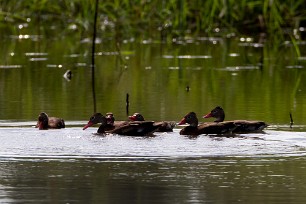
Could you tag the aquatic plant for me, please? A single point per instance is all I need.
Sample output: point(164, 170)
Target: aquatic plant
point(162, 18)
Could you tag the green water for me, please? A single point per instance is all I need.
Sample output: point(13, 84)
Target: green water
point(251, 79)
point(206, 180)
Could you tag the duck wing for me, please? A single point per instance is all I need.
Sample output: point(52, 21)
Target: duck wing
point(165, 126)
point(56, 123)
point(135, 128)
point(246, 126)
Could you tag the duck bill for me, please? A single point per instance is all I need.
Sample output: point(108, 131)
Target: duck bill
point(109, 120)
point(209, 115)
point(132, 118)
point(89, 124)
point(183, 121)
point(40, 125)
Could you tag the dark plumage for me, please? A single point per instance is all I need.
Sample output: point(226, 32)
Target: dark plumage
point(45, 122)
point(164, 126)
point(243, 126)
point(205, 128)
point(134, 128)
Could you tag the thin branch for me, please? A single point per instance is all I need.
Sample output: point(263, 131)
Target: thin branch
point(291, 120)
point(93, 57)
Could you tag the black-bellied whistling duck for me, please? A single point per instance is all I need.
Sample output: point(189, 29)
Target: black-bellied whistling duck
point(45, 122)
point(205, 128)
point(111, 123)
point(134, 128)
point(106, 123)
point(95, 119)
point(163, 125)
point(243, 126)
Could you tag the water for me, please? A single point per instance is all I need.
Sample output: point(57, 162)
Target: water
point(71, 165)
point(215, 180)
point(155, 75)
point(250, 78)
point(75, 143)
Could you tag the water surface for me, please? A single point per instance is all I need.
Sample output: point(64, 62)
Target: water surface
point(71, 165)
point(251, 78)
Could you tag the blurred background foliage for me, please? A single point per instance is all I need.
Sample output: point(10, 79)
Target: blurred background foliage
point(243, 53)
point(163, 18)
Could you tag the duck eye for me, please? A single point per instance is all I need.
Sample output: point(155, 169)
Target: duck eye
point(92, 118)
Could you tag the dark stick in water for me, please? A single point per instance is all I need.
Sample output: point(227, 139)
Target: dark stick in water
point(291, 120)
point(93, 57)
point(127, 104)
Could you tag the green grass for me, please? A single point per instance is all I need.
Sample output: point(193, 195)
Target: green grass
point(163, 18)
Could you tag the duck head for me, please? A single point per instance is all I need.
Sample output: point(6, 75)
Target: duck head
point(94, 119)
point(110, 118)
point(191, 119)
point(217, 113)
point(43, 121)
point(136, 117)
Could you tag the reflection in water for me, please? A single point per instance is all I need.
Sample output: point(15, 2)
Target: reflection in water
point(70, 165)
point(163, 81)
point(155, 76)
point(216, 180)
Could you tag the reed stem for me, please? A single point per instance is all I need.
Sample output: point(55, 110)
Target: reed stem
point(93, 58)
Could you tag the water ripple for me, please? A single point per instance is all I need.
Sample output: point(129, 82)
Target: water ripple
point(74, 143)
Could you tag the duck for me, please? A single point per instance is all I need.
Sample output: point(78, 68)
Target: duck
point(111, 123)
point(132, 128)
point(164, 126)
point(243, 126)
point(106, 125)
point(206, 128)
point(45, 122)
point(98, 118)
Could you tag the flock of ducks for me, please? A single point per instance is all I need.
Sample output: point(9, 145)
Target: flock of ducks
point(138, 126)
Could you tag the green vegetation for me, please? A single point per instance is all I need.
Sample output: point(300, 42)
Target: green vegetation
point(163, 18)
point(270, 79)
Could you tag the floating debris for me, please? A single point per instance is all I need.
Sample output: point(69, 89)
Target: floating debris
point(294, 67)
point(88, 40)
point(80, 64)
point(211, 39)
point(36, 54)
point(73, 55)
point(246, 39)
point(10, 66)
point(35, 59)
point(187, 56)
point(234, 54)
point(194, 56)
point(107, 53)
point(21, 37)
point(240, 68)
point(247, 44)
point(173, 68)
point(68, 75)
point(54, 66)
